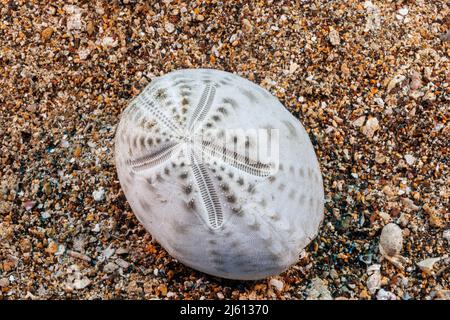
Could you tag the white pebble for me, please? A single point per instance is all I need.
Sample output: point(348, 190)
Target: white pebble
point(96, 228)
point(169, 27)
point(385, 295)
point(99, 194)
point(81, 283)
point(277, 284)
point(403, 11)
point(391, 240)
point(446, 235)
point(379, 102)
point(410, 159)
point(333, 35)
point(374, 280)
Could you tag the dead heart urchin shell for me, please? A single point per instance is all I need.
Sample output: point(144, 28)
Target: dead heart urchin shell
point(188, 156)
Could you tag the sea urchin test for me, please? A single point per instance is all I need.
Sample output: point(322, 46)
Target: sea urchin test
point(220, 173)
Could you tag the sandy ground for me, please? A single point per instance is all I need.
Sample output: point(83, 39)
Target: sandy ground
point(369, 80)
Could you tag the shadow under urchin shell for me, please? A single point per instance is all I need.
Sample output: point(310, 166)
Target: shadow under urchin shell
point(204, 193)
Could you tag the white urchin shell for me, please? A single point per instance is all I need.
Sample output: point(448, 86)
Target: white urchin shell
point(214, 208)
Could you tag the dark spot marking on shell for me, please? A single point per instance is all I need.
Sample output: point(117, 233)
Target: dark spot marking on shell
point(184, 175)
point(167, 171)
point(187, 189)
point(234, 244)
point(271, 179)
point(301, 172)
point(221, 134)
point(138, 116)
point(232, 102)
point(185, 86)
point(301, 199)
point(179, 228)
point(231, 174)
point(184, 102)
point(237, 211)
point(161, 94)
point(291, 129)
point(158, 140)
point(145, 205)
point(222, 110)
point(214, 253)
point(263, 203)
point(180, 78)
point(251, 188)
point(255, 226)
point(191, 204)
point(291, 169)
point(142, 142)
point(241, 263)
point(275, 216)
point(212, 241)
point(291, 194)
point(281, 186)
point(231, 198)
point(240, 181)
point(216, 118)
point(224, 187)
point(250, 96)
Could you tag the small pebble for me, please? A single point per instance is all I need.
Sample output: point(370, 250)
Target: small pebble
point(4, 282)
point(99, 195)
point(391, 240)
point(47, 33)
point(277, 284)
point(81, 283)
point(403, 11)
point(371, 127)
point(446, 235)
point(385, 295)
point(410, 159)
point(169, 27)
point(333, 35)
